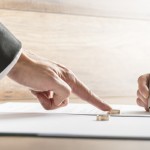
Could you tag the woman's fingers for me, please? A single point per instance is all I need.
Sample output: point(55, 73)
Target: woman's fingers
point(143, 85)
point(143, 91)
point(143, 99)
point(141, 103)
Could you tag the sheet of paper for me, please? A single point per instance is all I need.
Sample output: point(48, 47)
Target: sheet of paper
point(70, 121)
point(85, 109)
point(36, 108)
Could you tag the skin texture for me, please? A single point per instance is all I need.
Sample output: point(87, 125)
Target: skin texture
point(143, 91)
point(52, 83)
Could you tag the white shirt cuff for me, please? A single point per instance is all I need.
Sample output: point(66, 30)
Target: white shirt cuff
point(11, 65)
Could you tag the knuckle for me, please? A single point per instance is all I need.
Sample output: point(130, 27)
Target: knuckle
point(52, 74)
point(66, 93)
point(69, 75)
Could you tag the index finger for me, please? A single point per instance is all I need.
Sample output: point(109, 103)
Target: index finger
point(81, 90)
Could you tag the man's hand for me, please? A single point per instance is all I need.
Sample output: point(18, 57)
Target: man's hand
point(143, 91)
point(52, 83)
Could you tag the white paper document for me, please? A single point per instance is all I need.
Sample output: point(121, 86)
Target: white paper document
point(74, 120)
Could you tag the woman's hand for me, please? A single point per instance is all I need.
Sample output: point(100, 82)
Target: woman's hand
point(143, 91)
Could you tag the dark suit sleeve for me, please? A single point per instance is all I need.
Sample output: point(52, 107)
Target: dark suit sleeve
point(9, 47)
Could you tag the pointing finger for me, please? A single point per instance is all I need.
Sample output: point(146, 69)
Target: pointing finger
point(84, 93)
